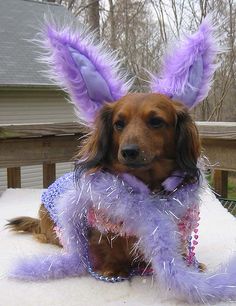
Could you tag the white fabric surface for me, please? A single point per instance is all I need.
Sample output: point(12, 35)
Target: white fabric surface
point(216, 242)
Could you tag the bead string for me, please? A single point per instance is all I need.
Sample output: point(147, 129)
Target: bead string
point(190, 258)
point(116, 279)
point(192, 243)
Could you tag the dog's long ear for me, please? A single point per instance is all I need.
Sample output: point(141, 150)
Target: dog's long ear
point(189, 67)
point(85, 68)
point(95, 150)
point(187, 142)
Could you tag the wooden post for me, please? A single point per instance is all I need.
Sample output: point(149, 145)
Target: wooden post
point(13, 177)
point(49, 174)
point(220, 182)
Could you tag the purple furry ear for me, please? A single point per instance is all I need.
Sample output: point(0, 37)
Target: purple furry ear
point(85, 69)
point(188, 71)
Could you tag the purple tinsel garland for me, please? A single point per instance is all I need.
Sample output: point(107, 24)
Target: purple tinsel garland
point(159, 238)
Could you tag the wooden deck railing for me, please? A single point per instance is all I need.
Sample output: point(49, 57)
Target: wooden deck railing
point(38, 144)
point(48, 144)
point(219, 145)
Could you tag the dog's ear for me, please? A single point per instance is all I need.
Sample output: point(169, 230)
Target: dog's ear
point(94, 153)
point(189, 66)
point(187, 142)
point(90, 73)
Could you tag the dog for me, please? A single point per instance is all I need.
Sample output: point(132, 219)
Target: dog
point(146, 135)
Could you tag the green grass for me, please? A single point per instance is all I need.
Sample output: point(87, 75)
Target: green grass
point(231, 186)
point(227, 203)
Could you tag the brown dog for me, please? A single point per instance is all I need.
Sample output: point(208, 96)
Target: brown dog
point(146, 135)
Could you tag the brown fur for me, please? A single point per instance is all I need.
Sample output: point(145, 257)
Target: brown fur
point(114, 255)
point(175, 145)
point(24, 224)
point(162, 148)
point(42, 228)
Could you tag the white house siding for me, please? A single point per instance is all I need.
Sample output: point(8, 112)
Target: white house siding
point(25, 107)
point(34, 107)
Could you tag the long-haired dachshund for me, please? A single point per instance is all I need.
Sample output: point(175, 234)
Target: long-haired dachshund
point(146, 135)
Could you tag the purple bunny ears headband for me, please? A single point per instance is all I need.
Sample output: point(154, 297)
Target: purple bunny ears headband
point(92, 75)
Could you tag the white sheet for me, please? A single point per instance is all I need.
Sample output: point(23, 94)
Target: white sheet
point(217, 241)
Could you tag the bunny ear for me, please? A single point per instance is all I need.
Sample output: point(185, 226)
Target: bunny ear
point(188, 71)
point(85, 69)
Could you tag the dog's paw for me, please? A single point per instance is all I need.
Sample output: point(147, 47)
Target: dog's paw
point(42, 238)
point(202, 267)
point(115, 270)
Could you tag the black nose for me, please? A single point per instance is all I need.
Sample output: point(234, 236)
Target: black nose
point(130, 152)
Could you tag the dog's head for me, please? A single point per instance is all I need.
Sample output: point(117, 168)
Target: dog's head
point(147, 135)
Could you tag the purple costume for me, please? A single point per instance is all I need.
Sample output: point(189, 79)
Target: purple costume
point(55, 191)
point(102, 222)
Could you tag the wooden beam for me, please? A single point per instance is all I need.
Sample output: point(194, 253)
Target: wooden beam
point(207, 130)
point(219, 143)
point(220, 182)
point(49, 174)
point(36, 151)
point(221, 153)
point(13, 177)
point(41, 130)
point(217, 130)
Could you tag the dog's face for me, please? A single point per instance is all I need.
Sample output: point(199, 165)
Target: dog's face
point(147, 135)
point(143, 130)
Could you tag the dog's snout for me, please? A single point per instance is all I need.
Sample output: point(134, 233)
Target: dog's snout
point(130, 152)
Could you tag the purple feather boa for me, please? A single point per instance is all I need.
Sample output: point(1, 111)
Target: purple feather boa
point(151, 217)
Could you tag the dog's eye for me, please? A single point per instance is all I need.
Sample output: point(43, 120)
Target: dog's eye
point(156, 122)
point(119, 125)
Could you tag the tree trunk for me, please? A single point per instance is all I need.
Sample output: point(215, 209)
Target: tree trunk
point(93, 16)
point(112, 23)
